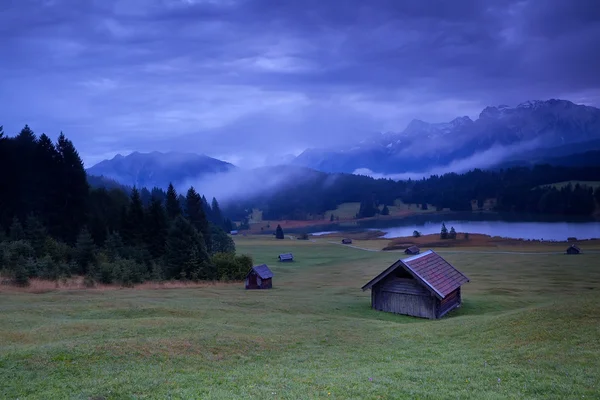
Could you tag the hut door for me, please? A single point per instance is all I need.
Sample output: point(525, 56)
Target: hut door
point(252, 281)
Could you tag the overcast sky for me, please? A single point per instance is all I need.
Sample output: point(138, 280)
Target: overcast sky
point(245, 80)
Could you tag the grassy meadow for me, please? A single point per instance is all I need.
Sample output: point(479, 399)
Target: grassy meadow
point(529, 328)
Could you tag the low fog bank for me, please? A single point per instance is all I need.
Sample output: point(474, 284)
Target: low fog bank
point(247, 183)
point(488, 158)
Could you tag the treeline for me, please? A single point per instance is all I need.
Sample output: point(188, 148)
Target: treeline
point(53, 225)
point(518, 189)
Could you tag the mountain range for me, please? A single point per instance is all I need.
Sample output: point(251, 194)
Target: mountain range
point(503, 132)
point(158, 169)
point(553, 131)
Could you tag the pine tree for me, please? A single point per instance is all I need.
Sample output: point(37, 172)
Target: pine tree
point(444, 232)
point(16, 231)
point(35, 233)
point(73, 188)
point(385, 210)
point(331, 218)
point(207, 208)
point(452, 234)
point(156, 228)
point(216, 213)
point(113, 246)
point(49, 171)
point(134, 224)
point(184, 251)
point(197, 216)
point(279, 232)
point(85, 252)
point(172, 203)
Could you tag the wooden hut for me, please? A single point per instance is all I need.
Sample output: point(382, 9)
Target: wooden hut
point(259, 277)
point(424, 285)
point(286, 257)
point(572, 249)
point(346, 241)
point(412, 250)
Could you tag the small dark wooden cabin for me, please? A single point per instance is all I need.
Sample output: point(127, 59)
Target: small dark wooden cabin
point(259, 277)
point(412, 250)
point(424, 285)
point(287, 257)
point(346, 241)
point(573, 250)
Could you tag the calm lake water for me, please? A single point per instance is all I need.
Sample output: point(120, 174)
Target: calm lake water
point(509, 226)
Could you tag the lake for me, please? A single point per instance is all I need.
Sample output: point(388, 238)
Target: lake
point(509, 226)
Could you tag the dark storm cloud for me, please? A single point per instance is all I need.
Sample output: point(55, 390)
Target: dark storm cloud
point(237, 77)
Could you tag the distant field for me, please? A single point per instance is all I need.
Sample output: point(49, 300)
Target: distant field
point(529, 329)
point(560, 185)
point(349, 210)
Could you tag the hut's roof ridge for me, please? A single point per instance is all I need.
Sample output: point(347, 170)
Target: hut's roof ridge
point(431, 269)
point(263, 271)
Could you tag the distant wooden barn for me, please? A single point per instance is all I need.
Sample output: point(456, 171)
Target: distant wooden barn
point(259, 277)
point(573, 249)
point(412, 250)
point(424, 285)
point(234, 232)
point(286, 257)
point(346, 241)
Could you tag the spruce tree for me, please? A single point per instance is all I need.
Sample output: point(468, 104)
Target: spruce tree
point(216, 213)
point(16, 230)
point(156, 228)
point(279, 233)
point(385, 210)
point(197, 216)
point(444, 232)
point(172, 203)
point(49, 171)
point(35, 233)
point(331, 218)
point(185, 252)
point(452, 234)
point(85, 252)
point(113, 246)
point(73, 189)
point(207, 209)
point(134, 225)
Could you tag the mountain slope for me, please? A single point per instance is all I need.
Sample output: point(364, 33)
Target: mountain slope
point(502, 130)
point(158, 169)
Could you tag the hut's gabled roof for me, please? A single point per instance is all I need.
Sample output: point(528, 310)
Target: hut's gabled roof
point(431, 270)
point(286, 256)
point(413, 249)
point(263, 271)
point(574, 247)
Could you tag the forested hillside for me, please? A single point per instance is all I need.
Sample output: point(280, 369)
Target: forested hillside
point(53, 224)
point(517, 189)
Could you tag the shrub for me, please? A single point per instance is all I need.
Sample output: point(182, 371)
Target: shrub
point(231, 267)
point(416, 234)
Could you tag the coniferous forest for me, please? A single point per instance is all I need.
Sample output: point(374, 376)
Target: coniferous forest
point(54, 225)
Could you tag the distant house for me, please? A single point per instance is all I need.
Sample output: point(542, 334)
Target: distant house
point(412, 250)
point(234, 232)
point(346, 241)
point(259, 277)
point(424, 285)
point(572, 249)
point(287, 257)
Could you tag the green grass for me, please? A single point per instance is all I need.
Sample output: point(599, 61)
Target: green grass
point(560, 185)
point(529, 328)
